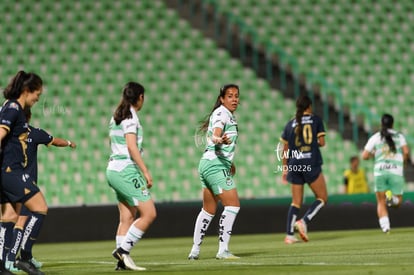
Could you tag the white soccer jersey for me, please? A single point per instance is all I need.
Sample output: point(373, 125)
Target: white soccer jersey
point(387, 162)
point(120, 157)
point(221, 118)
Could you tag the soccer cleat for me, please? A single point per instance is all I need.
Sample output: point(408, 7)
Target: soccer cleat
point(226, 255)
point(290, 239)
point(36, 263)
point(123, 256)
point(120, 266)
point(28, 267)
point(388, 198)
point(10, 266)
point(301, 227)
point(193, 255)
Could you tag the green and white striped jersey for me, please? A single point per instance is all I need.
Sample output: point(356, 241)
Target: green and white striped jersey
point(221, 118)
point(387, 162)
point(120, 157)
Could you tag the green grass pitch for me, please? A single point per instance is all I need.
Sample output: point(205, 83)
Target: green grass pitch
point(327, 252)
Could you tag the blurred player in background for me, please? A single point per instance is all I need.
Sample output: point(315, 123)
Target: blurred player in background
point(302, 137)
point(216, 170)
point(17, 186)
point(355, 180)
point(128, 175)
point(390, 150)
point(23, 230)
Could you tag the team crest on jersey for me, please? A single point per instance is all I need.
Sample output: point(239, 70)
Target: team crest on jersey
point(14, 105)
point(229, 181)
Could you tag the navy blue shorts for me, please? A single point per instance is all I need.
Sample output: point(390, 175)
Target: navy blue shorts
point(17, 186)
point(302, 177)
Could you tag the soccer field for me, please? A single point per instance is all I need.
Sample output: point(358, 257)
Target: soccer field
point(327, 252)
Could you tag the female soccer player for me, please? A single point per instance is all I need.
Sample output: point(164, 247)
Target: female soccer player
point(22, 230)
point(389, 149)
point(302, 137)
point(17, 186)
point(128, 175)
point(216, 170)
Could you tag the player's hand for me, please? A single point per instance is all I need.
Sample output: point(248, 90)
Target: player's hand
point(148, 178)
point(284, 178)
point(225, 139)
point(233, 169)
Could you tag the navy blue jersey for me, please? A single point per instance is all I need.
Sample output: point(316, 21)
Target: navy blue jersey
point(36, 137)
point(304, 148)
point(12, 118)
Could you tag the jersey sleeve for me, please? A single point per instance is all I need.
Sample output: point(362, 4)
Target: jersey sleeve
point(218, 119)
point(370, 143)
point(284, 137)
point(320, 131)
point(403, 141)
point(129, 126)
point(40, 136)
point(9, 115)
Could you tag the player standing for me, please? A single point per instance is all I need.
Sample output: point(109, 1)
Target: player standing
point(128, 175)
point(302, 137)
point(216, 170)
point(17, 187)
point(23, 230)
point(390, 150)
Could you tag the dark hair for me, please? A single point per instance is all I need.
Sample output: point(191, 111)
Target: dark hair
point(302, 103)
point(353, 158)
point(387, 122)
point(28, 113)
point(20, 82)
point(223, 90)
point(130, 95)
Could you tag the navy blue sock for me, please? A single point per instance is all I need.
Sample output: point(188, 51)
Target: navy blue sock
point(6, 238)
point(291, 219)
point(30, 235)
point(313, 210)
point(15, 244)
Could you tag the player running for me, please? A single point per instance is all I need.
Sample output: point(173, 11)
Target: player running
point(302, 137)
point(390, 150)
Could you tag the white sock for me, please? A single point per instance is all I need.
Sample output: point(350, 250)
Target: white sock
point(225, 226)
point(132, 237)
point(118, 240)
point(384, 223)
point(201, 225)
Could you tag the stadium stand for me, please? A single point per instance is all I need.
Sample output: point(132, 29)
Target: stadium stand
point(85, 51)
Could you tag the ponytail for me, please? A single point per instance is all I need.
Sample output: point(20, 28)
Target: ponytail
point(387, 122)
point(302, 103)
point(130, 95)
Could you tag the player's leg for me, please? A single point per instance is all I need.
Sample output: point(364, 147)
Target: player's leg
point(318, 187)
point(203, 221)
point(131, 188)
point(231, 203)
point(20, 237)
point(38, 207)
point(395, 190)
point(381, 186)
point(293, 212)
point(8, 221)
